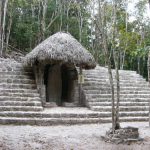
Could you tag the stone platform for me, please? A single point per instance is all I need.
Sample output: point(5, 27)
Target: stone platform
point(59, 116)
point(20, 101)
point(52, 116)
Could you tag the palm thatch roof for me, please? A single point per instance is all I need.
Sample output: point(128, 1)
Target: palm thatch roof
point(61, 47)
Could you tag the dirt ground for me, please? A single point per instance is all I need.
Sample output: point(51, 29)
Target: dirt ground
point(76, 137)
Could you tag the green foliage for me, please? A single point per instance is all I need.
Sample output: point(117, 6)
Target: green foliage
point(131, 41)
point(27, 15)
point(131, 38)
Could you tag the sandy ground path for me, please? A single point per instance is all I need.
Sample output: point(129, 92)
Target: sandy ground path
point(76, 137)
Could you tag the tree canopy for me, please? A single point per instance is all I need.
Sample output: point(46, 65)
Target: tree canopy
point(25, 23)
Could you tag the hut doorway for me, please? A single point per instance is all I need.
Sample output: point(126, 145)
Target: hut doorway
point(53, 83)
point(59, 81)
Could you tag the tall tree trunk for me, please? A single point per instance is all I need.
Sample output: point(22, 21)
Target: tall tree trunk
point(67, 26)
point(80, 23)
point(126, 42)
point(92, 27)
point(8, 31)
point(33, 20)
point(4, 23)
point(123, 59)
point(0, 27)
point(61, 15)
point(43, 23)
point(101, 24)
point(116, 60)
point(138, 64)
point(67, 13)
point(106, 52)
point(39, 21)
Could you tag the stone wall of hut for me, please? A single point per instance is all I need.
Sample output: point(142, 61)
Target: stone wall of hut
point(148, 67)
point(39, 76)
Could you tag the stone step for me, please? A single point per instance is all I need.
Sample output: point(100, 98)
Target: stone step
point(50, 121)
point(122, 108)
point(14, 68)
point(21, 114)
point(122, 88)
point(126, 84)
point(105, 69)
point(20, 73)
point(22, 77)
point(99, 93)
point(19, 94)
point(17, 81)
point(17, 86)
point(21, 97)
point(134, 114)
point(20, 108)
point(11, 90)
point(142, 81)
point(102, 91)
point(11, 63)
point(121, 100)
point(121, 95)
point(121, 78)
point(103, 74)
point(134, 119)
point(135, 92)
point(20, 103)
point(122, 103)
point(38, 114)
point(94, 71)
point(63, 121)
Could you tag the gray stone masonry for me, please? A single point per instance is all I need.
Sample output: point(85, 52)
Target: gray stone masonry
point(17, 88)
point(20, 102)
point(134, 92)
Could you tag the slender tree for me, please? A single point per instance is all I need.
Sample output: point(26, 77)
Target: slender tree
point(1, 28)
point(43, 18)
point(116, 60)
point(100, 22)
point(4, 23)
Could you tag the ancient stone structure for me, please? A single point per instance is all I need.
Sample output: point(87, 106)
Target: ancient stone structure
point(24, 91)
point(54, 62)
point(134, 94)
point(20, 102)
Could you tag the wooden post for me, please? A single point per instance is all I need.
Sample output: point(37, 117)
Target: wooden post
point(80, 86)
point(148, 67)
point(40, 82)
point(149, 114)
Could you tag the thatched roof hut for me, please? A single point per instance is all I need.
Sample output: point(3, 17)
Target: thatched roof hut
point(60, 47)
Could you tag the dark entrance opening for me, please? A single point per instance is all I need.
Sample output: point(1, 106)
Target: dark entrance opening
point(53, 83)
point(59, 81)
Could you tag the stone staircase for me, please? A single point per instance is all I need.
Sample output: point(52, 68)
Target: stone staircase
point(20, 101)
point(134, 94)
point(17, 88)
